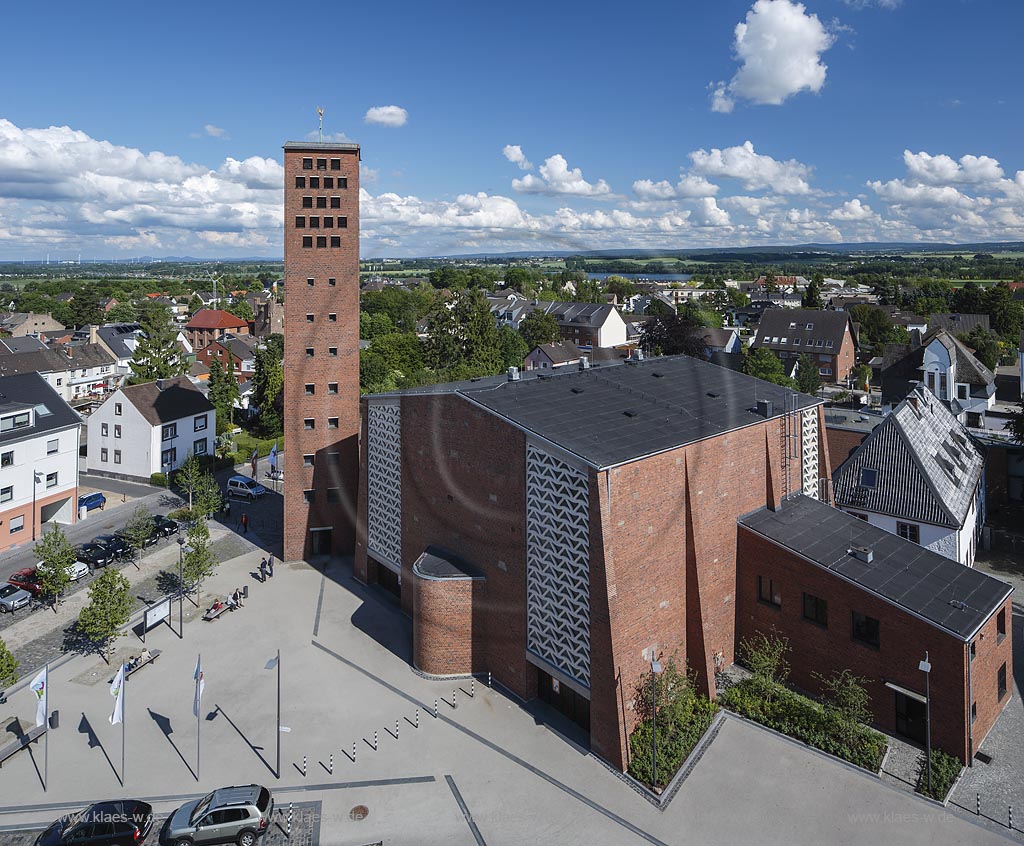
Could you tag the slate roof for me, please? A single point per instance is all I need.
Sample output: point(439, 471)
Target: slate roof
point(167, 400)
point(791, 324)
point(958, 324)
point(951, 597)
point(87, 355)
point(240, 347)
point(114, 336)
point(928, 466)
point(968, 369)
point(27, 343)
point(35, 361)
point(26, 390)
point(716, 337)
point(214, 318)
point(621, 411)
point(565, 313)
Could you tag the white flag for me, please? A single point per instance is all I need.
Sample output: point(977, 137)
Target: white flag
point(200, 684)
point(117, 691)
point(38, 687)
point(273, 457)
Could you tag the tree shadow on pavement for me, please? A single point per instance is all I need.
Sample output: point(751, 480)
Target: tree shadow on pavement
point(78, 642)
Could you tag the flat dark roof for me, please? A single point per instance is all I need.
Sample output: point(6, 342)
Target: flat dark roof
point(622, 411)
point(948, 595)
point(438, 563)
point(319, 146)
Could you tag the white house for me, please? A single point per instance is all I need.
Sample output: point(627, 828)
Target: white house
point(75, 372)
point(38, 459)
point(150, 428)
point(920, 475)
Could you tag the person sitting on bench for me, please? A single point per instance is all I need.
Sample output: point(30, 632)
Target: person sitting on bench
point(144, 657)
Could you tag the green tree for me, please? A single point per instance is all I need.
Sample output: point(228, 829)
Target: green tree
point(222, 392)
point(765, 655)
point(138, 530)
point(807, 379)
point(189, 476)
point(1015, 425)
point(55, 555)
point(673, 334)
point(208, 496)
point(969, 299)
point(985, 346)
point(8, 667)
point(588, 291)
point(374, 325)
point(539, 328)
point(123, 312)
point(198, 564)
point(158, 355)
point(513, 348)
point(108, 611)
point(1005, 313)
point(622, 287)
point(268, 383)
point(194, 304)
point(862, 377)
point(763, 364)
point(812, 296)
point(520, 279)
point(242, 310)
point(846, 696)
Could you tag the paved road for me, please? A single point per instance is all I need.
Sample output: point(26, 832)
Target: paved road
point(113, 488)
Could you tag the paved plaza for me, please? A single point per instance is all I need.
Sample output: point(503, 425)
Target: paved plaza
point(486, 771)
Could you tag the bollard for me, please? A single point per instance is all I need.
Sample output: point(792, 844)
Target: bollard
point(1009, 821)
point(417, 718)
point(288, 834)
point(454, 703)
point(435, 707)
point(396, 729)
point(303, 766)
point(353, 752)
point(489, 679)
point(375, 740)
point(472, 688)
point(330, 766)
point(977, 804)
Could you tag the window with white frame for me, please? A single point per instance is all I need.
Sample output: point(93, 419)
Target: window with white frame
point(169, 431)
point(17, 524)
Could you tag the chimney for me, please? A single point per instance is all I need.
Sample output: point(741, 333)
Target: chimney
point(635, 356)
point(160, 384)
point(513, 374)
point(862, 553)
point(93, 336)
point(766, 408)
point(915, 338)
point(584, 363)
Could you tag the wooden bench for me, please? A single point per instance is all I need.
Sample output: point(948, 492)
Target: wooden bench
point(21, 742)
point(152, 657)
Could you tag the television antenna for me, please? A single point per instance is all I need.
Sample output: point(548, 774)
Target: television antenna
point(320, 114)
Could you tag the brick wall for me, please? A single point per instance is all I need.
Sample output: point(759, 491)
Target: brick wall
point(991, 652)
point(443, 630)
point(841, 442)
point(902, 643)
point(333, 478)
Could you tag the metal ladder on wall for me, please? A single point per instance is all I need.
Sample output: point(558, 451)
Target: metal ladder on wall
point(791, 433)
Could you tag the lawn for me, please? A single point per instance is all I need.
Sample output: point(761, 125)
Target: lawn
point(245, 443)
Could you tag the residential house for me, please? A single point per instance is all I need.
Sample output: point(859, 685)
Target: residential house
point(75, 372)
point(778, 298)
point(150, 428)
point(240, 350)
point(947, 368)
point(958, 324)
point(826, 336)
point(207, 325)
point(268, 314)
point(845, 303)
point(584, 324)
point(39, 435)
point(26, 343)
point(920, 475)
point(107, 303)
point(565, 354)
point(909, 321)
point(724, 340)
point(18, 324)
point(120, 340)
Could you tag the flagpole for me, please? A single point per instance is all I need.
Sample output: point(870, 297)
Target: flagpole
point(124, 691)
point(199, 721)
point(278, 713)
point(46, 717)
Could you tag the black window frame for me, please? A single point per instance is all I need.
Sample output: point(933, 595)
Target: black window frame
point(321, 164)
point(300, 221)
point(857, 632)
point(307, 163)
point(335, 164)
point(321, 202)
point(815, 611)
point(770, 596)
point(1001, 683)
point(307, 242)
point(300, 181)
point(335, 241)
point(307, 201)
point(1001, 625)
point(314, 182)
point(321, 242)
point(911, 529)
point(871, 474)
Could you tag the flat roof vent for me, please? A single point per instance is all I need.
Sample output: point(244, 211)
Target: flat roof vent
point(766, 408)
point(862, 553)
point(513, 374)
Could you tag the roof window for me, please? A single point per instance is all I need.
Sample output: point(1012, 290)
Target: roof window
point(868, 477)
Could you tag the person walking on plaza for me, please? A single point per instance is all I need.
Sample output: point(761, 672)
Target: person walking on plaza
point(263, 570)
point(245, 523)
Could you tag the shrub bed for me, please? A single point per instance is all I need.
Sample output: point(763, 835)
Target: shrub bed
point(945, 770)
point(822, 727)
point(158, 479)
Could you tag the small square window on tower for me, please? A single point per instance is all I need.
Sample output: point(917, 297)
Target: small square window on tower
point(314, 182)
point(300, 221)
point(332, 387)
point(332, 282)
point(335, 202)
point(321, 164)
point(307, 164)
point(309, 352)
point(310, 318)
point(328, 182)
point(314, 222)
point(332, 317)
point(307, 202)
point(335, 241)
point(310, 389)
point(332, 351)
point(328, 223)
point(310, 281)
point(332, 422)
point(321, 202)
point(300, 181)
point(307, 241)
point(321, 241)
point(343, 182)
point(342, 223)
point(335, 164)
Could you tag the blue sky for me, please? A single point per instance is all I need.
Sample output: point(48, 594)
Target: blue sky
point(737, 123)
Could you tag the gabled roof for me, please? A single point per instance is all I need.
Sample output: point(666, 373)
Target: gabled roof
point(927, 466)
point(968, 369)
point(27, 343)
point(35, 361)
point(958, 323)
point(949, 596)
point(240, 348)
point(791, 324)
point(566, 352)
point(215, 318)
point(718, 337)
point(87, 355)
point(167, 400)
point(28, 390)
point(114, 335)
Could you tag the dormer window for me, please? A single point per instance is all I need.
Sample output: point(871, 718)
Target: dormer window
point(809, 326)
point(13, 422)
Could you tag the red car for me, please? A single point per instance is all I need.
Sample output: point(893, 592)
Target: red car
point(26, 580)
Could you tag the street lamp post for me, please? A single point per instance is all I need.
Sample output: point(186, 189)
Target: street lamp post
point(655, 672)
point(35, 481)
point(926, 668)
point(181, 585)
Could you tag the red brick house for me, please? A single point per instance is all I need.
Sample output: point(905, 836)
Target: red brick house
point(239, 350)
point(826, 336)
point(208, 324)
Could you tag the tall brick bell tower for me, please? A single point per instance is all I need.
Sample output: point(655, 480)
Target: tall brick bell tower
point(321, 348)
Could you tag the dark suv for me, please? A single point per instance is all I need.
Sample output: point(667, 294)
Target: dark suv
point(164, 527)
point(114, 545)
point(93, 554)
point(228, 815)
point(123, 822)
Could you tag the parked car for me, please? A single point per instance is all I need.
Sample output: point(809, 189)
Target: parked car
point(123, 822)
point(93, 554)
point(276, 475)
point(26, 580)
point(92, 500)
point(228, 815)
point(164, 527)
point(245, 487)
point(77, 569)
point(115, 546)
point(12, 598)
point(149, 541)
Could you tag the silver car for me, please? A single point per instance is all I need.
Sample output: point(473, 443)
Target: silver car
point(12, 598)
point(228, 815)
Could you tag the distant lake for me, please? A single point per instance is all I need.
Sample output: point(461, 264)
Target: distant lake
point(649, 277)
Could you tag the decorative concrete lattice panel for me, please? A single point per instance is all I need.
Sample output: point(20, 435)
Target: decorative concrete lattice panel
point(809, 452)
point(384, 483)
point(558, 563)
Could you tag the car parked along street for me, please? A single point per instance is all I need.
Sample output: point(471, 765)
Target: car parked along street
point(228, 815)
point(122, 822)
point(12, 598)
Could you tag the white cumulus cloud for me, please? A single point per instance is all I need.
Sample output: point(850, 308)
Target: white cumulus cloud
point(514, 153)
point(943, 169)
point(556, 177)
point(386, 116)
point(779, 47)
point(754, 170)
point(689, 186)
